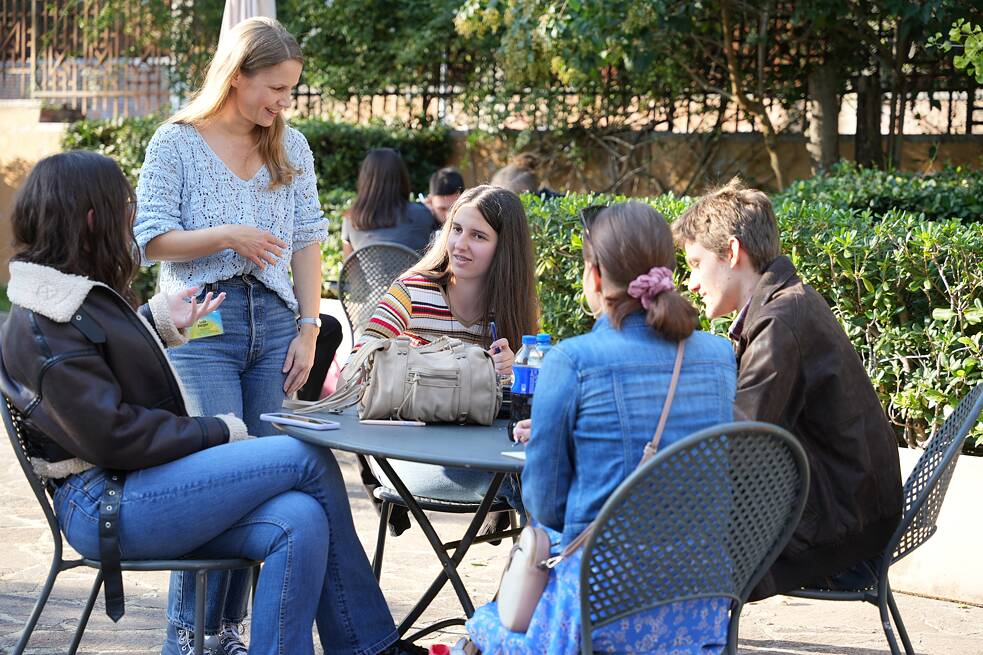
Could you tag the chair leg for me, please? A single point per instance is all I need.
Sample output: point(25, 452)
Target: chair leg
point(42, 600)
point(200, 590)
point(882, 606)
point(899, 624)
point(380, 541)
point(252, 596)
point(733, 628)
point(86, 613)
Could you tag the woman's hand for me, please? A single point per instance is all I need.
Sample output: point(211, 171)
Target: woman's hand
point(300, 359)
point(522, 430)
point(185, 310)
point(258, 246)
point(502, 356)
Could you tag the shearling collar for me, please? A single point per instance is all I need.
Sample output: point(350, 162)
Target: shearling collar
point(48, 291)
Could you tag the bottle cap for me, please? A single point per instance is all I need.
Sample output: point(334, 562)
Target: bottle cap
point(528, 339)
point(543, 337)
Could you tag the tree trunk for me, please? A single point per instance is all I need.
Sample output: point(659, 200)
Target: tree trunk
point(869, 151)
point(753, 106)
point(824, 111)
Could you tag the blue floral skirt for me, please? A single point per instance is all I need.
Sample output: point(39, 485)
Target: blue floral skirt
point(692, 627)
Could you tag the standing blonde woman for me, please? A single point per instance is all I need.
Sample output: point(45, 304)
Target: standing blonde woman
point(228, 203)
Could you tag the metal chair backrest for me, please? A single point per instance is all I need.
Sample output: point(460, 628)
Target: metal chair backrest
point(18, 431)
point(925, 488)
point(706, 517)
point(366, 276)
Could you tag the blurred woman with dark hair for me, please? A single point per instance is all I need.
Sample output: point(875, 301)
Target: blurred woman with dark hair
point(382, 211)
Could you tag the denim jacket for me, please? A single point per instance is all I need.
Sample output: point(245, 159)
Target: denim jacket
point(597, 403)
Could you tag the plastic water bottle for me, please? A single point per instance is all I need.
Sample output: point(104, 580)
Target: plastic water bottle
point(522, 357)
point(525, 370)
point(543, 344)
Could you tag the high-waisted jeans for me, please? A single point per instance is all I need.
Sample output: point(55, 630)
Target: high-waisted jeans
point(274, 499)
point(238, 372)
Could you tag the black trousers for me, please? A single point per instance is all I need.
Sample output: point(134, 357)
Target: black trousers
point(328, 340)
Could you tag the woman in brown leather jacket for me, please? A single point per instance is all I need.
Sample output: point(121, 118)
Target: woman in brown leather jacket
point(107, 412)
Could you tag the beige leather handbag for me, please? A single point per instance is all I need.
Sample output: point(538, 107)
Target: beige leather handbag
point(445, 381)
point(529, 566)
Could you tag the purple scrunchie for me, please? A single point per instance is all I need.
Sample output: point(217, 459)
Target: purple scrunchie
point(649, 285)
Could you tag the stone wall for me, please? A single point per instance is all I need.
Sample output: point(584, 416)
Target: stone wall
point(23, 141)
point(684, 164)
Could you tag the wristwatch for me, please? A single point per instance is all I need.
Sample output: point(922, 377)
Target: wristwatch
point(310, 320)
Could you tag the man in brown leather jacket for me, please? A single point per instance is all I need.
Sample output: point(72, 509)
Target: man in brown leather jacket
point(798, 369)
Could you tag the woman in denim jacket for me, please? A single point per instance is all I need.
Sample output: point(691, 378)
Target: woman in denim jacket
point(597, 404)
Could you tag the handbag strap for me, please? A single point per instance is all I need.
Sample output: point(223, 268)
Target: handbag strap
point(650, 449)
point(352, 377)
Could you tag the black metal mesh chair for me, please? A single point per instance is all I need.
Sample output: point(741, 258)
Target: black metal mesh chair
point(19, 431)
point(365, 277)
point(705, 518)
point(924, 491)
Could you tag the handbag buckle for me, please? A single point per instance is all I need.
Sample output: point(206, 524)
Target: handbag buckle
point(551, 562)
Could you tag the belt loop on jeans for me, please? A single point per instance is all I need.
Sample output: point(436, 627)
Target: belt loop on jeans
point(109, 548)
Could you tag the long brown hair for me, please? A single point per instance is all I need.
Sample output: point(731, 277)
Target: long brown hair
point(51, 226)
point(627, 240)
point(382, 191)
point(251, 45)
point(510, 292)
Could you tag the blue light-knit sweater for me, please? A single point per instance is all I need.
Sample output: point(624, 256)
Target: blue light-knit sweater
point(185, 186)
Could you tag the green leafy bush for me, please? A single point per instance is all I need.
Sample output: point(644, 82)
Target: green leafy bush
point(906, 290)
point(125, 140)
point(954, 193)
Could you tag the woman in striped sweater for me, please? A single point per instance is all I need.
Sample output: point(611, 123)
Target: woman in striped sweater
point(479, 269)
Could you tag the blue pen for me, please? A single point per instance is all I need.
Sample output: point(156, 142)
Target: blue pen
point(494, 332)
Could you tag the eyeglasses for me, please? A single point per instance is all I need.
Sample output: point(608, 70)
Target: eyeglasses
point(587, 216)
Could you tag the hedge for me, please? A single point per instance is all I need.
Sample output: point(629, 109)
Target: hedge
point(897, 256)
point(906, 290)
point(954, 193)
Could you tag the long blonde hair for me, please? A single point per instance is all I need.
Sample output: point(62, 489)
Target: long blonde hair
point(251, 45)
point(510, 292)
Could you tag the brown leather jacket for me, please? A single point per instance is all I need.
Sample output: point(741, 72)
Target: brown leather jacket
point(90, 374)
point(797, 369)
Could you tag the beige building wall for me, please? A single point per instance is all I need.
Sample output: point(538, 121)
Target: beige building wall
point(23, 141)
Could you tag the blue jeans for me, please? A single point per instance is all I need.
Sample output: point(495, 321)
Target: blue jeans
point(238, 372)
point(449, 483)
point(274, 499)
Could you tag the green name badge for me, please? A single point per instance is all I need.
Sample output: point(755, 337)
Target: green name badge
point(208, 325)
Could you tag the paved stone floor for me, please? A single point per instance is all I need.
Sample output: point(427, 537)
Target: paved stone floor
point(775, 627)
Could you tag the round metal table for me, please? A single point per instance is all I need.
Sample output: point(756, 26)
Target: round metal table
point(467, 446)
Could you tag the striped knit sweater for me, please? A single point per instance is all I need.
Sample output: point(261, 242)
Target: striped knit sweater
point(417, 307)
